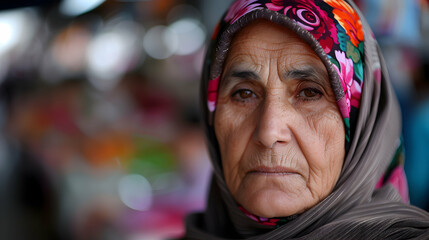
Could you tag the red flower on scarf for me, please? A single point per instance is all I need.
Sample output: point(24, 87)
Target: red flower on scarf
point(351, 88)
point(398, 180)
point(348, 19)
point(260, 220)
point(212, 94)
point(310, 17)
point(240, 8)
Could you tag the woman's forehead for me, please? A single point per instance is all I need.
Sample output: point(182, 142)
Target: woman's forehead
point(263, 37)
point(264, 41)
point(268, 32)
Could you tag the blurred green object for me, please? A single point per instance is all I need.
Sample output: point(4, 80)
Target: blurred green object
point(151, 158)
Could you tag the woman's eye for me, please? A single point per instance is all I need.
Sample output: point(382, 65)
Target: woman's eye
point(310, 94)
point(243, 94)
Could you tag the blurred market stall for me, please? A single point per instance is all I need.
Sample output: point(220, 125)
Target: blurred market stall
point(99, 117)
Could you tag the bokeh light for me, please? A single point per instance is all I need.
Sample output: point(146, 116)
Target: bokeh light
point(190, 36)
point(160, 42)
point(16, 27)
point(135, 192)
point(113, 52)
point(77, 7)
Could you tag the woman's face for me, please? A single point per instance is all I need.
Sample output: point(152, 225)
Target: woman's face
point(280, 132)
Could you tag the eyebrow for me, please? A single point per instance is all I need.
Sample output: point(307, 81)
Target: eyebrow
point(307, 73)
point(236, 76)
point(245, 75)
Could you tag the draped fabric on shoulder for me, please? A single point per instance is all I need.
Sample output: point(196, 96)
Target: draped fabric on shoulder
point(370, 199)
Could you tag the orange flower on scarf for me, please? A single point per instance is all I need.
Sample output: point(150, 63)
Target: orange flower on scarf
point(348, 19)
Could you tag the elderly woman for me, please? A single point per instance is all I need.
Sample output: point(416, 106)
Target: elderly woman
point(303, 128)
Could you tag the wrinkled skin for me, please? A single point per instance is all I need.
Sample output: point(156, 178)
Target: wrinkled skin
point(280, 133)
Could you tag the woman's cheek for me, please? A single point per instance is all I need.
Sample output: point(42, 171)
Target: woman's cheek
point(228, 123)
point(328, 128)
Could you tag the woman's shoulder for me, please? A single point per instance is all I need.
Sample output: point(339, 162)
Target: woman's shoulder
point(384, 220)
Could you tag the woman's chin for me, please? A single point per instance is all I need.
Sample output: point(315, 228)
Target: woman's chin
point(271, 203)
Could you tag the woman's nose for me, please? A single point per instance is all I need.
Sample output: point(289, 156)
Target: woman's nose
point(274, 121)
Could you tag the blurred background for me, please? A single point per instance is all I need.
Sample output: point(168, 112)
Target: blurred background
point(99, 112)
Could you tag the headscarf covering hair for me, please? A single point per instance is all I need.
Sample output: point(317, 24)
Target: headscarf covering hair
point(369, 200)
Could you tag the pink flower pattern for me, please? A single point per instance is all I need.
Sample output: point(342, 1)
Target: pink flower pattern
point(212, 93)
point(311, 18)
point(261, 220)
point(351, 88)
point(398, 180)
point(240, 8)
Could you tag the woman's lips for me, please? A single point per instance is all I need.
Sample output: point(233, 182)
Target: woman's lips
point(272, 171)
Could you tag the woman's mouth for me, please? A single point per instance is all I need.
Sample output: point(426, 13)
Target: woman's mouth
point(272, 171)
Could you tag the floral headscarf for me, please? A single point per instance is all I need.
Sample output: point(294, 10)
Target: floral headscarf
point(371, 184)
point(340, 37)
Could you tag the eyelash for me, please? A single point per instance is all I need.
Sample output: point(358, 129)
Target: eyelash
point(316, 91)
point(318, 94)
point(235, 95)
